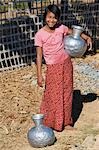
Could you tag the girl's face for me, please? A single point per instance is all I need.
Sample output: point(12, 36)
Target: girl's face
point(51, 20)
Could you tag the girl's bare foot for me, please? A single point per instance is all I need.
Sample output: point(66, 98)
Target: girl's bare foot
point(68, 127)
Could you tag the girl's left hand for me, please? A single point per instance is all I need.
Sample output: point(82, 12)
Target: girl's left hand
point(89, 43)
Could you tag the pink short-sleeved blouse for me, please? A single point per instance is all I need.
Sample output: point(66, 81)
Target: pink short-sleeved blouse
point(52, 44)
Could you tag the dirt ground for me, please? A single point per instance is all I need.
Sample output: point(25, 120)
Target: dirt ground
point(20, 98)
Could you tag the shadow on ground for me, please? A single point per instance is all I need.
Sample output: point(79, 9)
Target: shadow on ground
point(78, 100)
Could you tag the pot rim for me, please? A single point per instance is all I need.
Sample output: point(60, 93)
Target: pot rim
point(78, 27)
point(38, 116)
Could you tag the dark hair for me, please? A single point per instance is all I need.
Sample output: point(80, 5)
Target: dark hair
point(54, 9)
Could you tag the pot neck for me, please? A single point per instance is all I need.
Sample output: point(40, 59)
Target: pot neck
point(77, 31)
point(38, 122)
point(38, 119)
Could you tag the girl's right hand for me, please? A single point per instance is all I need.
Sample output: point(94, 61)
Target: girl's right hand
point(40, 81)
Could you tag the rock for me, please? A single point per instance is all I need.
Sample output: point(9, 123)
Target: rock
point(34, 82)
point(96, 145)
point(88, 142)
point(4, 129)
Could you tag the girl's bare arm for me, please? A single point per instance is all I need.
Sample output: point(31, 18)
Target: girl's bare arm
point(39, 65)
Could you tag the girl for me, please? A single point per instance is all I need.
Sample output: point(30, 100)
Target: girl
point(57, 100)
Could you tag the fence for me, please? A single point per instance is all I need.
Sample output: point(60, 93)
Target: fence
point(20, 19)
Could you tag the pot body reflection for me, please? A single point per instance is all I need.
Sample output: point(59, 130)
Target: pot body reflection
point(75, 46)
